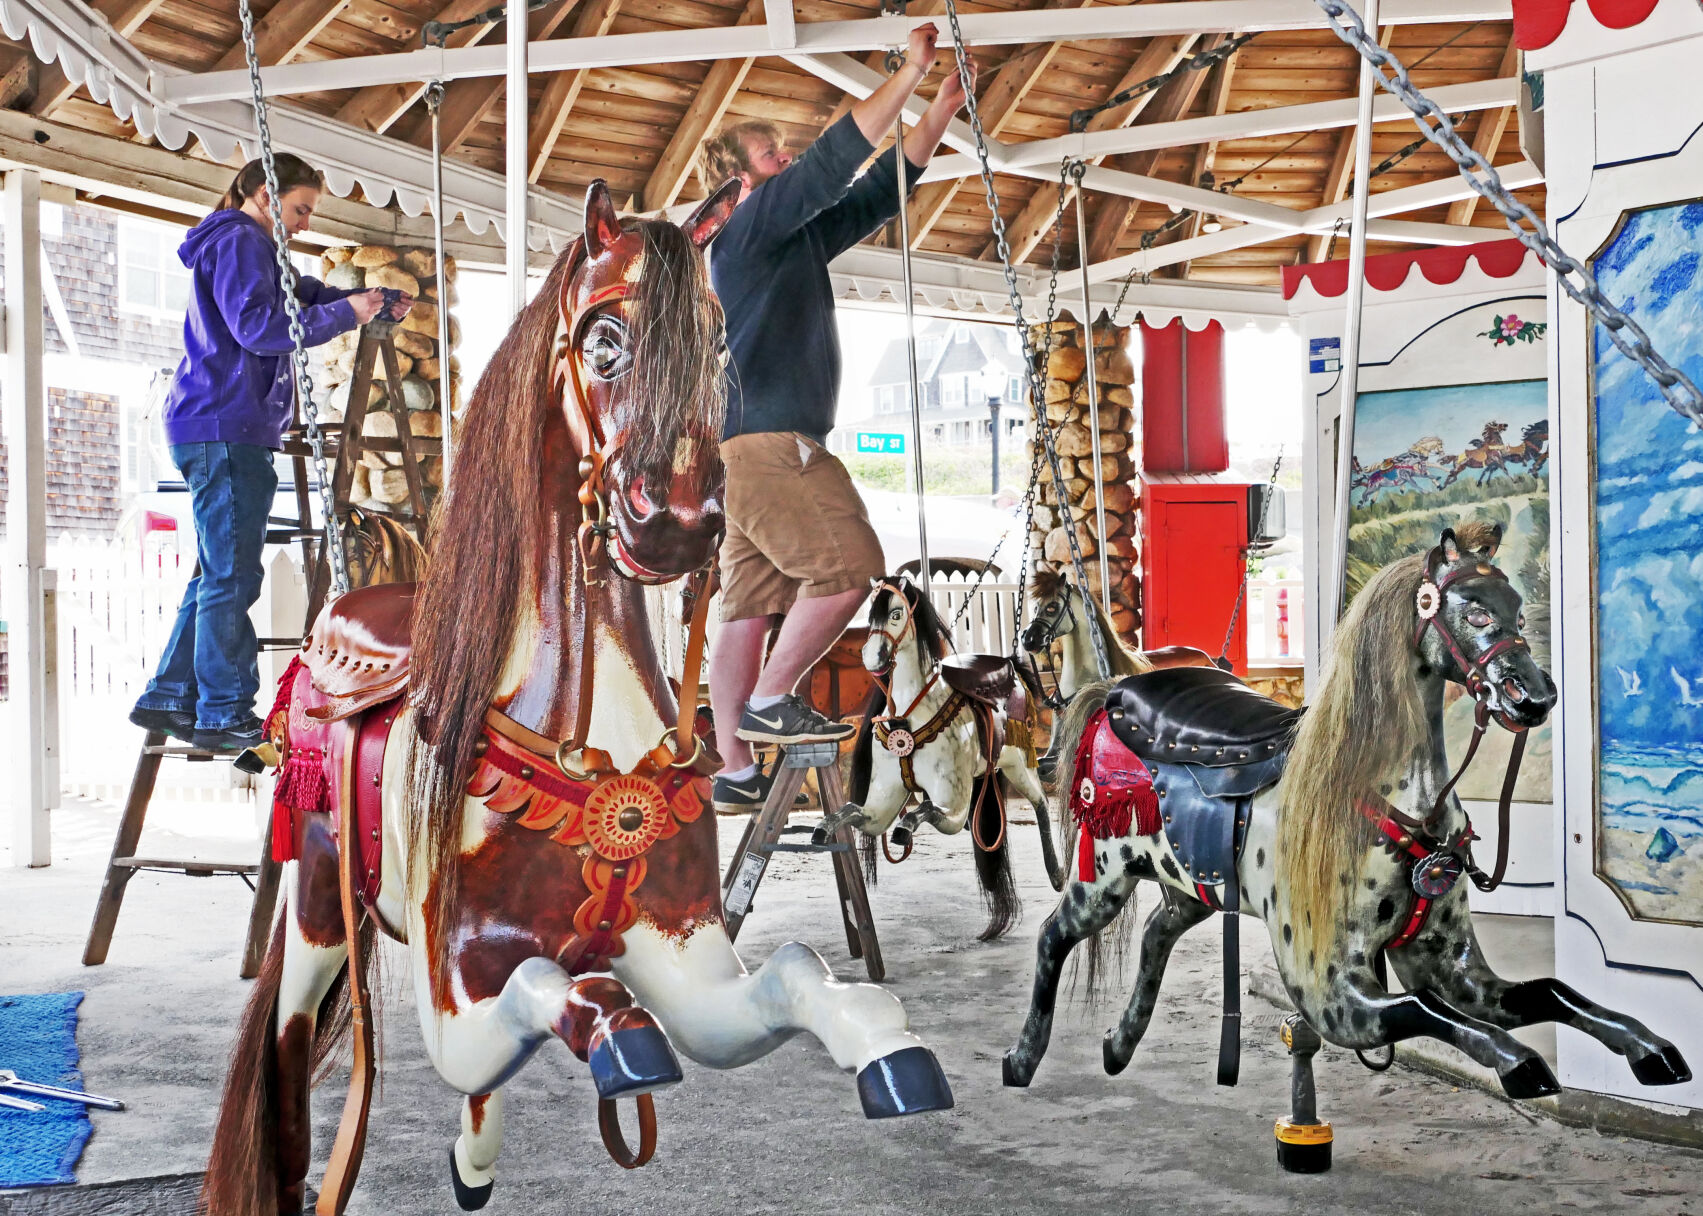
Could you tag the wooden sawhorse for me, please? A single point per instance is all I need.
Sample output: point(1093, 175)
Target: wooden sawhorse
point(762, 839)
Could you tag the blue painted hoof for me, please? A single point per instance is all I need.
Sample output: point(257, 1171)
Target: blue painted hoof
point(908, 1082)
point(632, 1062)
point(467, 1198)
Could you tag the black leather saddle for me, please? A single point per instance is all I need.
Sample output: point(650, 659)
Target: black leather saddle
point(1212, 743)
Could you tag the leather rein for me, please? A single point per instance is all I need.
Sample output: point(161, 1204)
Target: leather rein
point(1436, 864)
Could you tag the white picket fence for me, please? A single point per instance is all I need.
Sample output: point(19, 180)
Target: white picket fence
point(1277, 623)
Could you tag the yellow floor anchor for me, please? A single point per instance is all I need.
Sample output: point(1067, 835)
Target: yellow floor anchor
point(1303, 1139)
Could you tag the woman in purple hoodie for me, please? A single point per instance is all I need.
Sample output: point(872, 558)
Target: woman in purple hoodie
point(230, 401)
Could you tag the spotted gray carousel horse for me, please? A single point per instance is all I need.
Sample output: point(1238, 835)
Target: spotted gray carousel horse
point(1339, 829)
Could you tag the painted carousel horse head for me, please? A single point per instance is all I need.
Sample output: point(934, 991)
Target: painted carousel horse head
point(381, 550)
point(1338, 828)
point(944, 741)
point(638, 372)
point(446, 782)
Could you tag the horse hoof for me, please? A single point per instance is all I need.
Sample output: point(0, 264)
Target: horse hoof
point(821, 836)
point(1529, 1079)
point(1046, 768)
point(907, 1082)
point(900, 836)
point(632, 1062)
point(468, 1198)
point(1114, 1060)
point(1014, 1076)
point(1664, 1067)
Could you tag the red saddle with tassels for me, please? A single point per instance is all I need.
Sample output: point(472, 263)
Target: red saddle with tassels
point(1111, 792)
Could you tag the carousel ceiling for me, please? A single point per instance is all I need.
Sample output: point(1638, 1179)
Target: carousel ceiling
point(1186, 181)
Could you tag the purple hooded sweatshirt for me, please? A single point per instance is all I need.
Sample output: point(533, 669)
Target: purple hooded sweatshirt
point(234, 384)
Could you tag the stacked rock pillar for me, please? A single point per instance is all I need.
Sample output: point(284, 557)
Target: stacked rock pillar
point(1067, 407)
point(379, 482)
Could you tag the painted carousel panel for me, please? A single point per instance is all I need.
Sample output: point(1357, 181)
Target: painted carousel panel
point(1648, 524)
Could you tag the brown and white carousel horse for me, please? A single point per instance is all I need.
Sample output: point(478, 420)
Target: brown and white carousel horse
point(550, 868)
point(1339, 829)
point(943, 741)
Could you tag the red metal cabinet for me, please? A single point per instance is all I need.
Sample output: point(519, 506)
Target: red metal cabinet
point(1194, 533)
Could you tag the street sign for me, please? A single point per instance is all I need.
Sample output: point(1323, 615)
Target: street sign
point(888, 443)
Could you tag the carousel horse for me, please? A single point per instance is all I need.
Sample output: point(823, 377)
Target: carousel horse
point(952, 731)
point(381, 550)
point(1338, 828)
point(1487, 455)
point(1064, 615)
point(550, 868)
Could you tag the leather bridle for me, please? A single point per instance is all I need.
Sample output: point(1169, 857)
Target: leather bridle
point(596, 533)
point(1474, 669)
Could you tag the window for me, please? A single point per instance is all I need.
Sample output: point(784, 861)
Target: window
point(961, 334)
point(952, 391)
point(928, 348)
point(1014, 390)
point(150, 278)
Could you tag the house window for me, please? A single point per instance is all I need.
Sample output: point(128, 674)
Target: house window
point(952, 391)
point(150, 278)
point(928, 348)
point(961, 335)
point(1014, 390)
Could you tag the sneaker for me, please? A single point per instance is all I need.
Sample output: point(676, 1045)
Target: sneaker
point(232, 738)
point(179, 724)
point(791, 721)
point(748, 794)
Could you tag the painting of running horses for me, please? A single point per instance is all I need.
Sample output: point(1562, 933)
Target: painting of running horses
point(1426, 459)
point(1648, 518)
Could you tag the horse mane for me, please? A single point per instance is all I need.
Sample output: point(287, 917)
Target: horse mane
point(1366, 726)
point(934, 638)
point(490, 535)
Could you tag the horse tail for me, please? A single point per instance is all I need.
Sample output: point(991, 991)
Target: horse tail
point(242, 1165)
point(993, 865)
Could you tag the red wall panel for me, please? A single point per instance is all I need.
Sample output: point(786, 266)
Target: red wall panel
point(1182, 399)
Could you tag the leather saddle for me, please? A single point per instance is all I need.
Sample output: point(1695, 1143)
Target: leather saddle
point(1212, 743)
point(358, 651)
point(988, 678)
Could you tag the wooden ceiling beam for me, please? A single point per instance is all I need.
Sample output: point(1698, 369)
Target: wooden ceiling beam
point(376, 107)
point(18, 77)
point(280, 35)
point(1205, 155)
point(1160, 55)
point(466, 102)
point(877, 60)
point(1492, 126)
point(726, 77)
point(1172, 102)
point(563, 89)
point(125, 16)
point(1341, 171)
point(999, 102)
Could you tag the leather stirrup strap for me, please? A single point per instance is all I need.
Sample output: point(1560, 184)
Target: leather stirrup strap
point(609, 1125)
point(346, 1152)
point(983, 715)
point(1230, 1027)
point(1504, 807)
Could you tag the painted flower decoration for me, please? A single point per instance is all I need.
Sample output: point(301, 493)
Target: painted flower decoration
point(1505, 331)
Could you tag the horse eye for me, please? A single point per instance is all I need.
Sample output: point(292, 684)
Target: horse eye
point(898, 614)
point(1478, 618)
point(1521, 619)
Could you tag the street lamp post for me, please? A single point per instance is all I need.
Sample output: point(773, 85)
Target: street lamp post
point(994, 403)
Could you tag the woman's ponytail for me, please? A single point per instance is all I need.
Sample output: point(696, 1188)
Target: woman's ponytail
point(292, 172)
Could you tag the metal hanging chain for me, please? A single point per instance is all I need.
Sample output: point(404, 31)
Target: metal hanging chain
point(1194, 63)
point(436, 33)
point(333, 542)
point(1242, 591)
point(434, 104)
point(1628, 336)
point(1037, 374)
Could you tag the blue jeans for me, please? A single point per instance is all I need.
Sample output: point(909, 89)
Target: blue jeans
point(211, 662)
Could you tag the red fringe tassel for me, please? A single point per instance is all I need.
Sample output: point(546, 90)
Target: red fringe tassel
point(1122, 793)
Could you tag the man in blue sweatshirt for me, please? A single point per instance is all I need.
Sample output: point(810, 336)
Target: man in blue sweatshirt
point(799, 545)
point(230, 401)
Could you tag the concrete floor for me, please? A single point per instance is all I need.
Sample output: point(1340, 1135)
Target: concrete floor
point(785, 1134)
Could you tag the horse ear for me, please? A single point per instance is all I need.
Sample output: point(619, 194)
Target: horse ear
point(1450, 546)
point(1495, 541)
point(709, 217)
point(602, 226)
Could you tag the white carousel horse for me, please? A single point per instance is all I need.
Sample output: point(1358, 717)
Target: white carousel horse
point(550, 869)
point(939, 753)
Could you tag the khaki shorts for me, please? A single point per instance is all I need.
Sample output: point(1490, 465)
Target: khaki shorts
point(795, 526)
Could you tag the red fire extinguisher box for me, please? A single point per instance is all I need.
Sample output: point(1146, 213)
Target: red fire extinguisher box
point(1194, 538)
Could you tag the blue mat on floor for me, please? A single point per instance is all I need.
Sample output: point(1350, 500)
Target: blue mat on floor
point(38, 1041)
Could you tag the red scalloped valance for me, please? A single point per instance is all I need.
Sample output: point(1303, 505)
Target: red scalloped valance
point(1537, 23)
point(1388, 271)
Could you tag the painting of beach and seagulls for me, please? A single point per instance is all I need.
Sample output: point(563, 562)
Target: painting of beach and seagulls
point(1426, 459)
point(1649, 576)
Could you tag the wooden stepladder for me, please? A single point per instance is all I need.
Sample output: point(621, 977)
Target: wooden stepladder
point(344, 444)
point(762, 839)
